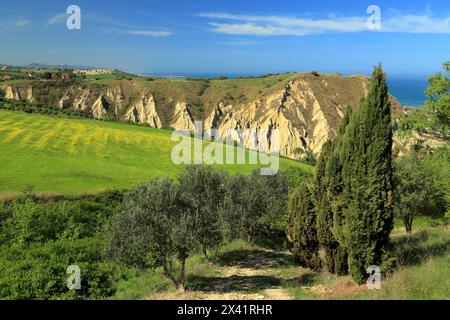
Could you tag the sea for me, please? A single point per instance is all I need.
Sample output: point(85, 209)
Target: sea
point(410, 92)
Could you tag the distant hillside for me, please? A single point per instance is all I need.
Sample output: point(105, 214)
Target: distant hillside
point(73, 156)
point(305, 107)
point(55, 66)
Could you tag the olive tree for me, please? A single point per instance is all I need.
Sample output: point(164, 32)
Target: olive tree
point(202, 192)
point(154, 230)
point(416, 190)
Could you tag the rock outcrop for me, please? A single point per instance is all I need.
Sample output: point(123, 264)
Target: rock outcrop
point(144, 111)
point(100, 108)
point(182, 119)
point(304, 109)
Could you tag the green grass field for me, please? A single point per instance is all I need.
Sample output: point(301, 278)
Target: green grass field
point(58, 155)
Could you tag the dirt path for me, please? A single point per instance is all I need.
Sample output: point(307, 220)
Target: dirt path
point(253, 276)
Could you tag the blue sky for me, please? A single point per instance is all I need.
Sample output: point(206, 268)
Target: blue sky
point(229, 36)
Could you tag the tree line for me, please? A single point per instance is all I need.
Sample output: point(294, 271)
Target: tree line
point(348, 209)
point(163, 222)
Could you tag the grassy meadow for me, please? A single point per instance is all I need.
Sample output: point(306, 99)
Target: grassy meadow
point(60, 155)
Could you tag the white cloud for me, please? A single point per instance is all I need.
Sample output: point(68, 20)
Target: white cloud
point(239, 43)
point(21, 22)
point(271, 25)
point(57, 19)
point(150, 33)
point(144, 33)
point(417, 24)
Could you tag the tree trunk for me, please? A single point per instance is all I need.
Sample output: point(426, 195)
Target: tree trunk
point(169, 275)
point(205, 251)
point(181, 279)
point(216, 252)
point(408, 220)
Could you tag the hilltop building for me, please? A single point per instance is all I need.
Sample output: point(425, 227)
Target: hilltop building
point(94, 72)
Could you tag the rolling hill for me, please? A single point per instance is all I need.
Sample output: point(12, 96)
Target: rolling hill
point(59, 155)
point(305, 107)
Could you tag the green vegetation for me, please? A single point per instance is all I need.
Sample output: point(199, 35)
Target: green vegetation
point(367, 180)
point(202, 191)
point(353, 188)
point(257, 205)
point(40, 239)
point(418, 191)
point(301, 229)
point(328, 188)
point(218, 233)
point(438, 163)
point(154, 229)
point(28, 107)
point(163, 223)
point(248, 271)
point(57, 73)
point(61, 155)
point(423, 264)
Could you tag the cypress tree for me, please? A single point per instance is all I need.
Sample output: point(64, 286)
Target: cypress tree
point(323, 208)
point(367, 217)
point(302, 228)
point(328, 188)
point(334, 173)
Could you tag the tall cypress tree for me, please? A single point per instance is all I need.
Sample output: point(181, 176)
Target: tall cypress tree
point(301, 229)
point(328, 189)
point(367, 217)
point(323, 208)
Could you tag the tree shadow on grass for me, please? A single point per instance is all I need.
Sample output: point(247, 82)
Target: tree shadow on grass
point(246, 284)
point(255, 259)
point(417, 248)
point(306, 279)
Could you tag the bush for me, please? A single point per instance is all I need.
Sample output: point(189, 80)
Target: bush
point(41, 237)
point(256, 205)
point(32, 222)
point(28, 219)
point(39, 272)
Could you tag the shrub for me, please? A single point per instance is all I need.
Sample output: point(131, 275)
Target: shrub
point(39, 272)
point(33, 222)
point(28, 219)
point(41, 237)
point(256, 204)
point(275, 189)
